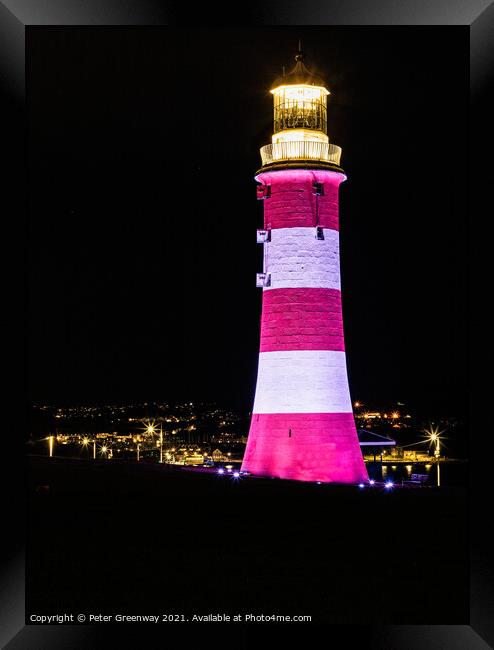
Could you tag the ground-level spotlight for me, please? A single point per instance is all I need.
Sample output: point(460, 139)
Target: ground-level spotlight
point(221, 471)
point(361, 485)
point(236, 474)
point(371, 482)
point(388, 484)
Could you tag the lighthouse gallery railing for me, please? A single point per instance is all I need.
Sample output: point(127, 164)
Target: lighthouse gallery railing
point(300, 150)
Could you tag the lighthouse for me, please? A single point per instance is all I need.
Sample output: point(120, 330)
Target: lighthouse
point(302, 425)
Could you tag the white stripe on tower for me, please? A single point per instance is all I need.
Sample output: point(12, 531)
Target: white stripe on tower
point(295, 258)
point(302, 381)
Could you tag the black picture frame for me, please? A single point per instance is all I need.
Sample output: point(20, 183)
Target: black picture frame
point(15, 16)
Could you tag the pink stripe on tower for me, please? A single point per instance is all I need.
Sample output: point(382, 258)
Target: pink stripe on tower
point(302, 425)
point(305, 447)
point(301, 319)
point(295, 188)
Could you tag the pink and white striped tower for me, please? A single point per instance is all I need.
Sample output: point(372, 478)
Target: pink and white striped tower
point(302, 423)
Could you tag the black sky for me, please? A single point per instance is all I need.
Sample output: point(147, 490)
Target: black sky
point(142, 254)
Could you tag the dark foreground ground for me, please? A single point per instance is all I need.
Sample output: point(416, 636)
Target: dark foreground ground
point(145, 539)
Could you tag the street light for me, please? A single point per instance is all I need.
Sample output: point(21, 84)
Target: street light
point(85, 443)
point(437, 454)
point(150, 427)
point(434, 437)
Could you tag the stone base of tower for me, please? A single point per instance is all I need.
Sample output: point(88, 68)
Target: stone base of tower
point(305, 447)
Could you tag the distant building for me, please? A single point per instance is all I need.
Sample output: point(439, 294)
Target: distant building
point(218, 456)
point(194, 459)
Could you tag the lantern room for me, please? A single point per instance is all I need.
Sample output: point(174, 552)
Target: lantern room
point(300, 106)
point(300, 128)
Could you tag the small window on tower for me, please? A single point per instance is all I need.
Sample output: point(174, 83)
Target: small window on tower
point(263, 236)
point(263, 192)
point(263, 279)
point(318, 189)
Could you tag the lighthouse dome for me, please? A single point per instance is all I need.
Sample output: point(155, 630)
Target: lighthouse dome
point(300, 75)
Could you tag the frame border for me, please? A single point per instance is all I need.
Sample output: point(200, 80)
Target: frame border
point(478, 15)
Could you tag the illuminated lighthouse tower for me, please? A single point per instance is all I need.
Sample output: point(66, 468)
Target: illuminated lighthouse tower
point(302, 423)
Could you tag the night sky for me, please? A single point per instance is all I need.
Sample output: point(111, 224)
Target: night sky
point(142, 249)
